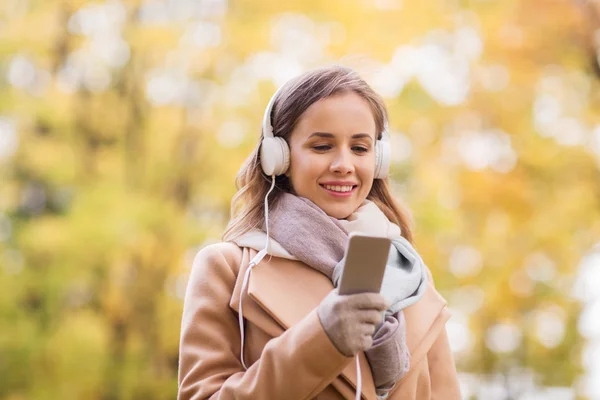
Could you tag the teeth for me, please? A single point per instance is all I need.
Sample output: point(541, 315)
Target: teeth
point(339, 188)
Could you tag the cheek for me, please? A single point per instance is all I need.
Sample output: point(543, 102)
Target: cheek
point(304, 169)
point(366, 169)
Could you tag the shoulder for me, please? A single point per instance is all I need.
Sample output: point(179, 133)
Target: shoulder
point(218, 258)
point(222, 251)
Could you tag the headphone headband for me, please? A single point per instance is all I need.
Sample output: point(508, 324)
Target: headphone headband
point(267, 124)
point(275, 152)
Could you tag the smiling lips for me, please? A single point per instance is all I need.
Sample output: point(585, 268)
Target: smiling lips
point(339, 189)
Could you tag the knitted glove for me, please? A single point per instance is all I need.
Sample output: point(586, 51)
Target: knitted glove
point(350, 320)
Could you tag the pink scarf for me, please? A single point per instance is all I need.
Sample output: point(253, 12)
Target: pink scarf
point(318, 240)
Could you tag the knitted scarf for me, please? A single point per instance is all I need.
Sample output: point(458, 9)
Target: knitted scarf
point(308, 234)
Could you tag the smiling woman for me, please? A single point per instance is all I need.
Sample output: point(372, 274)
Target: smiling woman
point(302, 107)
point(332, 154)
point(257, 327)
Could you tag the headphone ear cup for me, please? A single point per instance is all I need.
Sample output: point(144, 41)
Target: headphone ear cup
point(382, 159)
point(274, 156)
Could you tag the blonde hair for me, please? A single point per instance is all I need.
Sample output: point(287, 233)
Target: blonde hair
point(247, 206)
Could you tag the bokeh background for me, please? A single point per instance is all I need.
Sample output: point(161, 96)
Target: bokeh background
point(123, 123)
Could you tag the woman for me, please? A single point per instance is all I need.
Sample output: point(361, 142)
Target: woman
point(275, 327)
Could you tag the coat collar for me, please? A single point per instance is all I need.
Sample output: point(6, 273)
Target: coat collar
point(282, 292)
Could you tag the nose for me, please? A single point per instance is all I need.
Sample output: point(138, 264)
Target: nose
point(342, 163)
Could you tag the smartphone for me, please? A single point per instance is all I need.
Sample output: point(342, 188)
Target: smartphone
point(366, 257)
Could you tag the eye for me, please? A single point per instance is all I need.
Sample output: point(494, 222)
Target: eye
point(323, 147)
point(360, 149)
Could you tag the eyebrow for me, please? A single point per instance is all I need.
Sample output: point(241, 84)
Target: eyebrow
point(331, 135)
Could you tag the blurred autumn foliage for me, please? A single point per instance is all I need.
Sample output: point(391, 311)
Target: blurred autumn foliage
point(123, 123)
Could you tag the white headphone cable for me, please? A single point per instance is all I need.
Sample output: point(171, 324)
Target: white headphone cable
point(258, 258)
point(358, 379)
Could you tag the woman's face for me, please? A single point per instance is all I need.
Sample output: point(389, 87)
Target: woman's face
point(332, 160)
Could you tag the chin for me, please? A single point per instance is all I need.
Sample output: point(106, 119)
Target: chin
point(338, 212)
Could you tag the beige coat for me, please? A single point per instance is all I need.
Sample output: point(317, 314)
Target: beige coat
point(288, 353)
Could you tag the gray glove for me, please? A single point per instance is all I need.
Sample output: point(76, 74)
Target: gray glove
point(350, 320)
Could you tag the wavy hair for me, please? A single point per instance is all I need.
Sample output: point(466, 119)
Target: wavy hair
point(247, 206)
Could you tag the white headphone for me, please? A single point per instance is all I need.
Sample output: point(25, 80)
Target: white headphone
point(275, 152)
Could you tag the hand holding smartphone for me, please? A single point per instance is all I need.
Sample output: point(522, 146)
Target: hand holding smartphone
point(366, 257)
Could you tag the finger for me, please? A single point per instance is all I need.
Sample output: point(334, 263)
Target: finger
point(372, 317)
point(373, 301)
point(366, 342)
point(368, 329)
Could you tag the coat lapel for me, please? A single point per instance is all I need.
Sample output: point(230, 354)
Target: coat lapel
point(285, 291)
point(288, 291)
